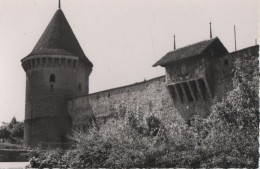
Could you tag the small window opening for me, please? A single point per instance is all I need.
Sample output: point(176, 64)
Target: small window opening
point(108, 94)
point(79, 86)
point(226, 62)
point(52, 78)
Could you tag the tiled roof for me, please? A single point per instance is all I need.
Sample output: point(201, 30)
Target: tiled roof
point(185, 52)
point(58, 38)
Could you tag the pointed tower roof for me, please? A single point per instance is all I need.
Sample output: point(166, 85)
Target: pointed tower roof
point(58, 38)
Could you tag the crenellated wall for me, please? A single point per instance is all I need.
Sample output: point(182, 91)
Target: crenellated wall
point(154, 97)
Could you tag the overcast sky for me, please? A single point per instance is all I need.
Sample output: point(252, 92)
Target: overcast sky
point(122, 38)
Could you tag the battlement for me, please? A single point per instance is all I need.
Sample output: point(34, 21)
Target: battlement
point(48, 61)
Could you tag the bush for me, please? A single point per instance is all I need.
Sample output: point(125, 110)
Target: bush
point(114, 145)
point(48, 158)
point(234, 122)
point(12, 132)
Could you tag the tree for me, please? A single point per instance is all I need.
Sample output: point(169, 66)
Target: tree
point(4, 133)
point(18, 130)
point(12, 132)
point(234, 122)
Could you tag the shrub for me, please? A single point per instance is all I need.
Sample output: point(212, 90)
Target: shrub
point(48, 158)
point(12, 132)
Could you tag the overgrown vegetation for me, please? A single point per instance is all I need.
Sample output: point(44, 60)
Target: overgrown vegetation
point(229, 138)
point(11, 133)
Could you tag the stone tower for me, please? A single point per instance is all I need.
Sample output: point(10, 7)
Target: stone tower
point(57, 70)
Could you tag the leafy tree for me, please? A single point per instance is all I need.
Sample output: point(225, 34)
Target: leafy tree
point(13, 122)
point(4, 133)
point(234, 122)
point(18, 130)
point(12, 132)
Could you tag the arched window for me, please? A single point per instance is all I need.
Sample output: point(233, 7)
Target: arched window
point(52, 78)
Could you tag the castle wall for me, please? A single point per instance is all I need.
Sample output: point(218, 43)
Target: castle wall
point(153, 97)
point(226, 65)
point(148, 98)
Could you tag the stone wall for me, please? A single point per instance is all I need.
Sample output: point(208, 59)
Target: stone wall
point(153, 97)
point(226, 65)
point(145, 99)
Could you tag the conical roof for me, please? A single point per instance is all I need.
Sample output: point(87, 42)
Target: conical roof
point(58, 38)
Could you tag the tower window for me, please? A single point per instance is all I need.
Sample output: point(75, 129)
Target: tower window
point(52, 78)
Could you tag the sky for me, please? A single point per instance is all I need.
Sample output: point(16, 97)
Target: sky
point(122, 38)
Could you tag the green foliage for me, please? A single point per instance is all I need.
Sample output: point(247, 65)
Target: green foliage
point(47, 159)
point(12, 132)
point(114, 145)
point(4, 133)
point(234, 122)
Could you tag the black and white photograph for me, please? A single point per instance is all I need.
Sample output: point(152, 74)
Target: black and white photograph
point(129, 84)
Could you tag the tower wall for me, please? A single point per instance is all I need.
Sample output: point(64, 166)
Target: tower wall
point(50, 83)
